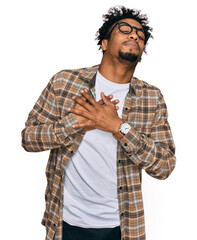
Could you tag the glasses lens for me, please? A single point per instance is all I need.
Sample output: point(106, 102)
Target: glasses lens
point(124, 28)
point(141, 34)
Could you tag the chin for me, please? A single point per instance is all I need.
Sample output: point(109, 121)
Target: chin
point(128, 56)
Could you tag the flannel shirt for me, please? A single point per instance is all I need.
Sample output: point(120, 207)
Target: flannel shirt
point(148, 145)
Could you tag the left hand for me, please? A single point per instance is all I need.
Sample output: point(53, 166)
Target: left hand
point(103, 117)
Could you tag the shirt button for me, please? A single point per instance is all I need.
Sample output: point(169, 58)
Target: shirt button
point(126, 109)
point(122, 214)
point(71, 152)
point(126, 144)
point(119, 162)
point(120, 188)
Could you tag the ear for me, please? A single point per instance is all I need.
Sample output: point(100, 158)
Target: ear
point(104, 44)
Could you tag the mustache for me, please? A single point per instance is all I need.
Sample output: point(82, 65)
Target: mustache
point(132, 43)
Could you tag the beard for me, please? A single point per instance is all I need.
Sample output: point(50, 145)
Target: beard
point(131, 57)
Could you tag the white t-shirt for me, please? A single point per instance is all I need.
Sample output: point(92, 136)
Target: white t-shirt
point(90, 187)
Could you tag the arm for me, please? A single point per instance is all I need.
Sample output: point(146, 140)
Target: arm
point(44, 129)
point(154, 153)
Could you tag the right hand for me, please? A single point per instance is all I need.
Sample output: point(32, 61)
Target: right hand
point(83, 119)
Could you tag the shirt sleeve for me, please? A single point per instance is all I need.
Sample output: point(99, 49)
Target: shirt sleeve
point(44, 128)
point(154, 153)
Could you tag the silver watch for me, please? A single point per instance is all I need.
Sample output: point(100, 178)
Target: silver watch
point(125, 127)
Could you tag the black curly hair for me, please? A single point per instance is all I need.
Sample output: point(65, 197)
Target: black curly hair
point(118, 13)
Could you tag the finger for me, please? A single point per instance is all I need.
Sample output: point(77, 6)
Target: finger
point(82, 102)
point(109, 97)
point(84, 99)
point(115, 101)
point(88, 97)
point(105, 99)
point(83, 125)
point(81, 113)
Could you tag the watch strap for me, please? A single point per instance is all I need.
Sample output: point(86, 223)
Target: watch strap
point(118, 135)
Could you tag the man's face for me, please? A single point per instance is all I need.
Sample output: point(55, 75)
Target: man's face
point(128, 47)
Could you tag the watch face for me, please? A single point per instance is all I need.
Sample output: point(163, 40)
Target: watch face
point(125, 127)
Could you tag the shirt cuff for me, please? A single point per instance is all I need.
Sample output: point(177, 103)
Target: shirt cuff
point(132, 140)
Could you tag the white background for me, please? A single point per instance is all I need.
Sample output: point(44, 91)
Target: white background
point(40, 38)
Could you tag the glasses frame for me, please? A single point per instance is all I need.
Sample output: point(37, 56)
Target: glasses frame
point(131, 27)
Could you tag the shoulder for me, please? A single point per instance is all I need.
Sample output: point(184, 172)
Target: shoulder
point(72, 75)
point(67, 78)
point(66, 74)
point(147, 90)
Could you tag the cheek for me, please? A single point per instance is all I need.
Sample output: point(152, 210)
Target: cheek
point(141, 46)
point(112, 45)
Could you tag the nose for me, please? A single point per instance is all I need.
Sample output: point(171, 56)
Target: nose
point(133, 35)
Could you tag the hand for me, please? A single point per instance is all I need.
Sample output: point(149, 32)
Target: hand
point(81, 119)
point(96, 115)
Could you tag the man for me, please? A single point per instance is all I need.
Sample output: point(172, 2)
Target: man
point(103, 126)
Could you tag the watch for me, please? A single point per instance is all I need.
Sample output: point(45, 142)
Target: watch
point(124, 129)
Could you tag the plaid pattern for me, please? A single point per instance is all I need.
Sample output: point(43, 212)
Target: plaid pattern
point(148, 145)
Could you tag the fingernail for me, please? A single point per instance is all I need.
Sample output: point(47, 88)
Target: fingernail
point(73, 126)
point(68, 109)
point(82, 91)
point(85, 90)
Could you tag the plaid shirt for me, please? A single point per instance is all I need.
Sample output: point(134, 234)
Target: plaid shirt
point(148, 145)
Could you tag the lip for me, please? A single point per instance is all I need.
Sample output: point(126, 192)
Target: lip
point(131, 44)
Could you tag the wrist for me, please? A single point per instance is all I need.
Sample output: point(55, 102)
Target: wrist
point(117, 126)
point(124, 129)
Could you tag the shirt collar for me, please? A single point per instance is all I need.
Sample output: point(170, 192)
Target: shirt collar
point(89, 75)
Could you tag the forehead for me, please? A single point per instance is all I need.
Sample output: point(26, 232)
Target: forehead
point(132, 22)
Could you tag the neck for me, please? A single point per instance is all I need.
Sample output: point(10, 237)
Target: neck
point(117, 72)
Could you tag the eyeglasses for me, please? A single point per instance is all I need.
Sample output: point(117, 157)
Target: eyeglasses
point(126, 28)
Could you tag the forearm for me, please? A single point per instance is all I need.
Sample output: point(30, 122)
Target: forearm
point(46, 136)
point(157, 158)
